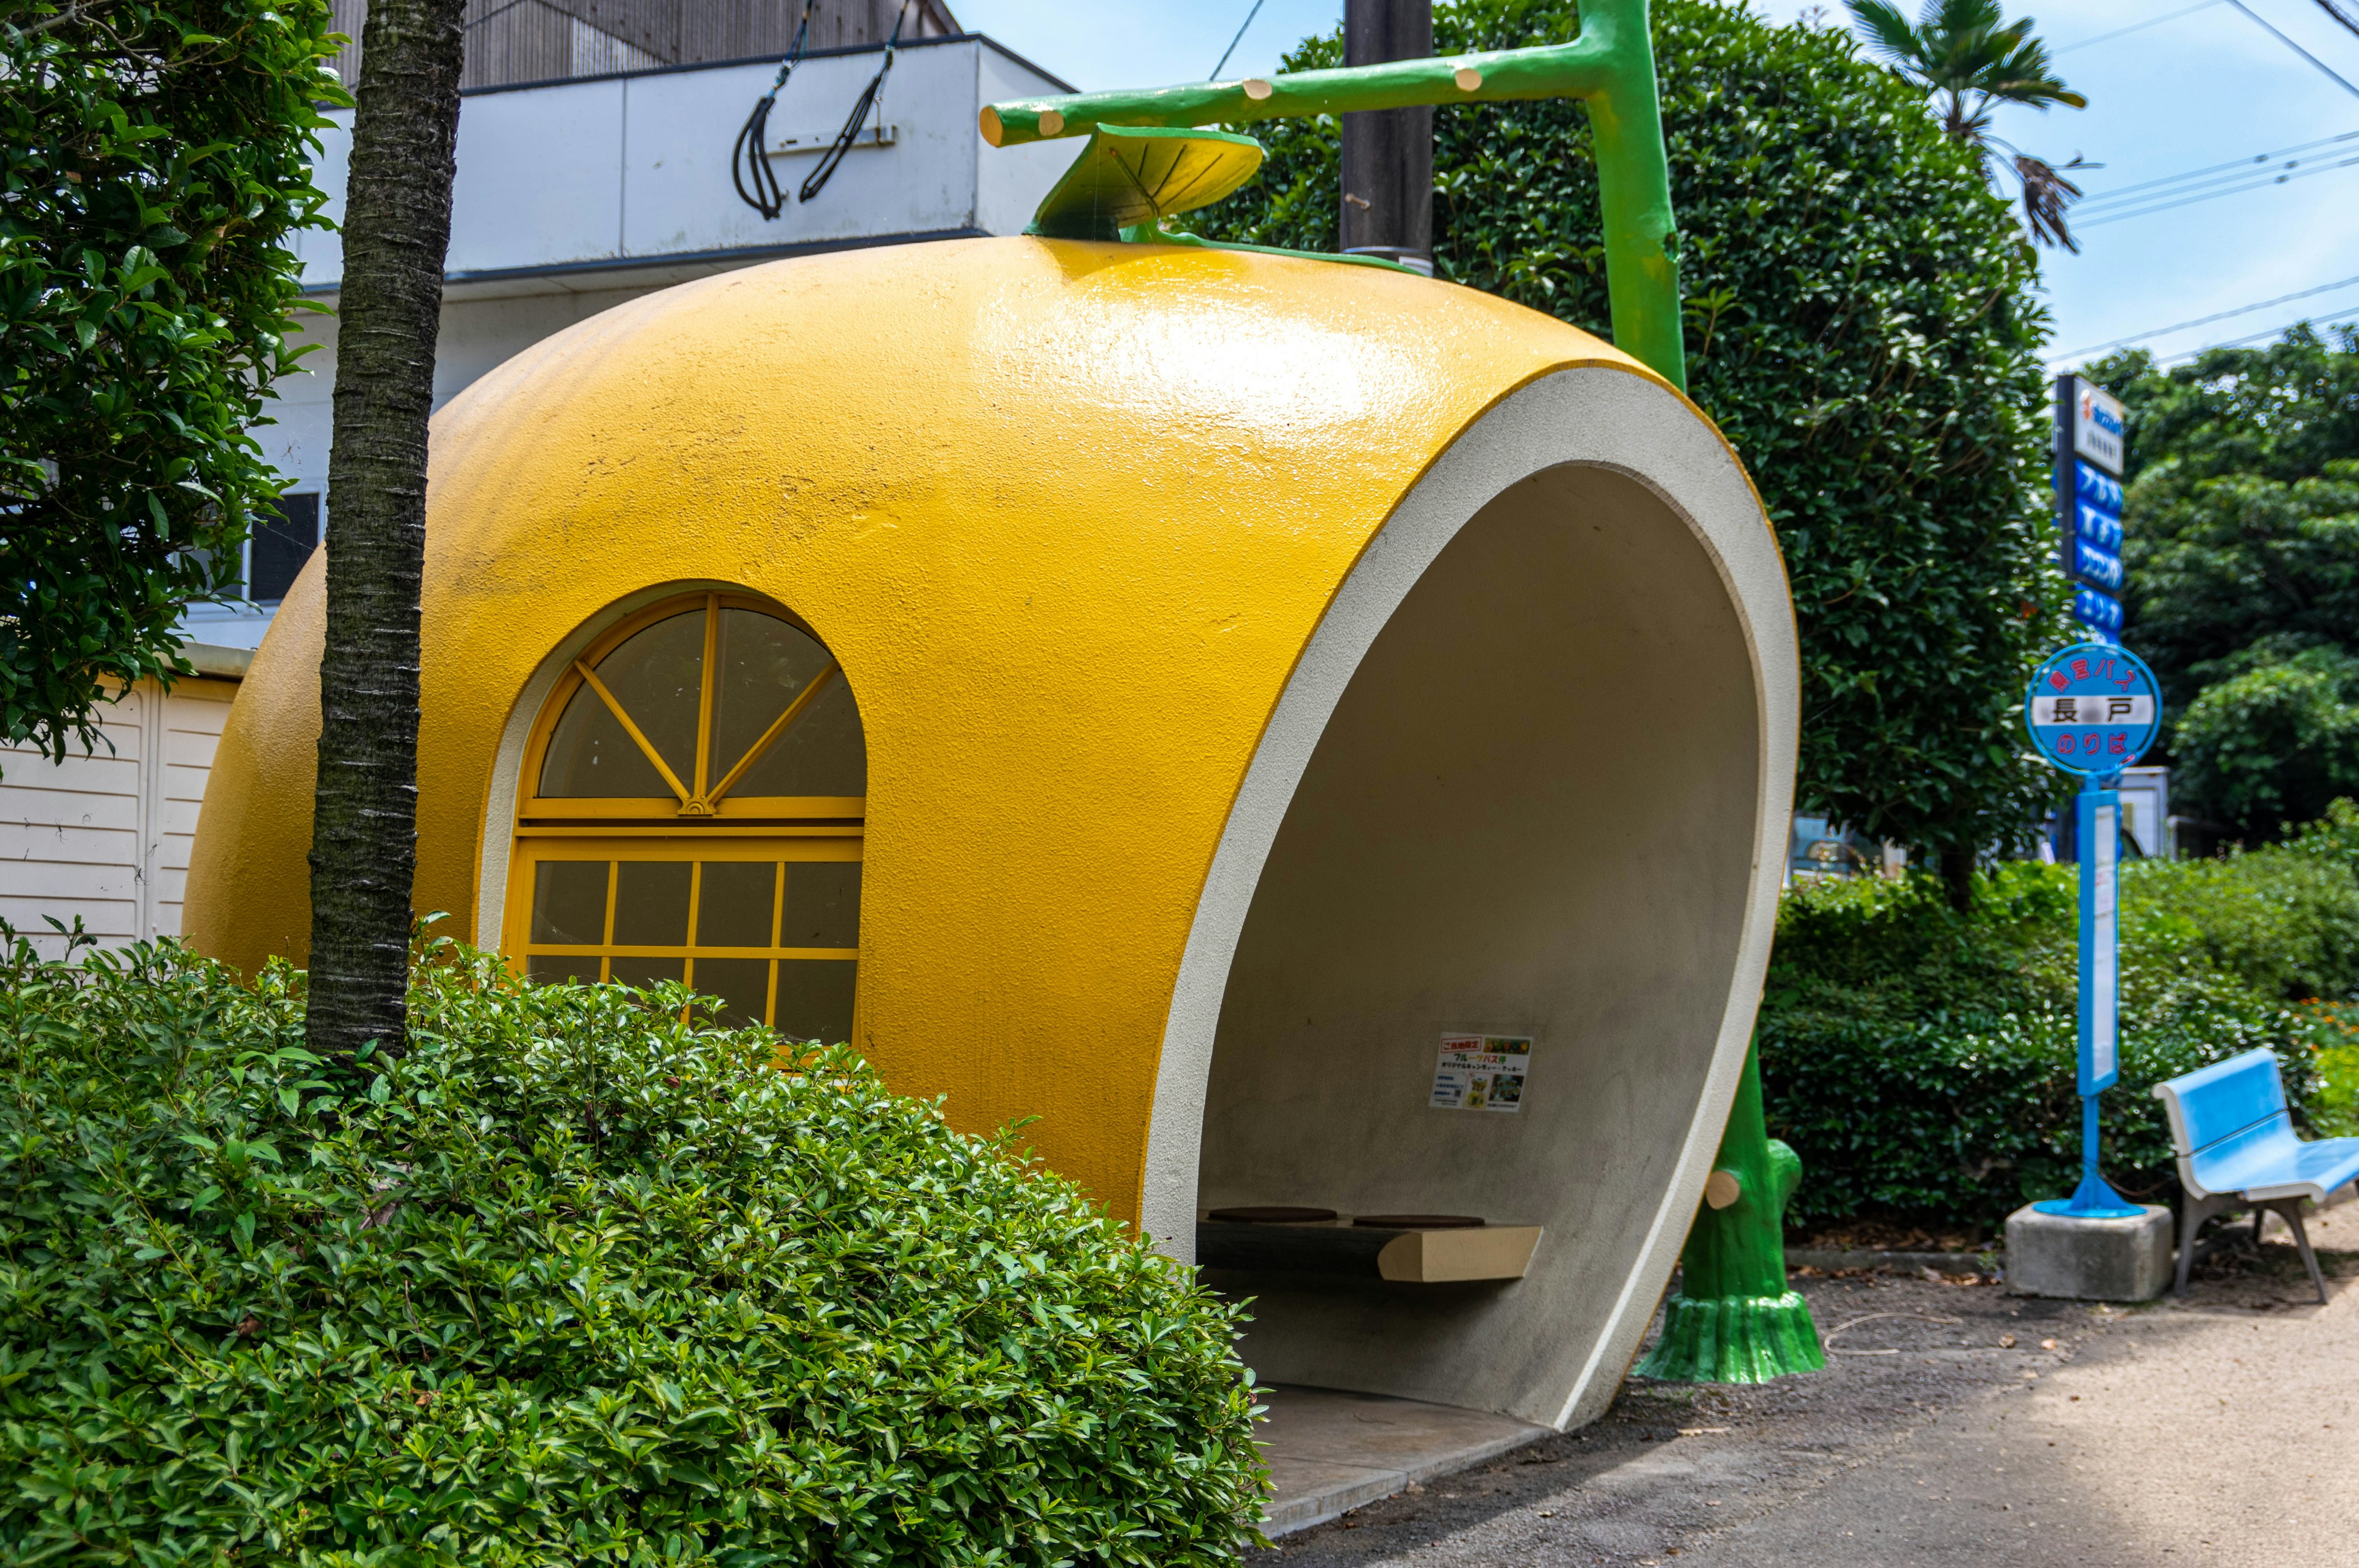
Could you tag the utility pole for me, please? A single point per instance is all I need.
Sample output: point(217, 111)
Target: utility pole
point(1388, 153)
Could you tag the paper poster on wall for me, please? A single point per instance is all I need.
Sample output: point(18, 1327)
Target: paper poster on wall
point(1481, 1072)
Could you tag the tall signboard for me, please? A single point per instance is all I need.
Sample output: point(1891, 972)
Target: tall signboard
point(2089, 452)
point(2092, 710)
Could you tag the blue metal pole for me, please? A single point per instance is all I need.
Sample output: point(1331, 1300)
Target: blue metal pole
point(2089, 1180)
point(2096, 822)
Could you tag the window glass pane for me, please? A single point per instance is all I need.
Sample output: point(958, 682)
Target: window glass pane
point(568, 903)
point(743, 983)
point(552, 969)
point(822, 753)
point(651, 906)
point(815, 999)
point(286, 531)
point(655, 676)
point(589, 754)
point(822, 904)
point(645, 972)
point(764, 663)
point(732, 904)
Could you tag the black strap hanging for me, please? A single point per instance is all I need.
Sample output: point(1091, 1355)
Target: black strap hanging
point(850, 131)
point(747, 159)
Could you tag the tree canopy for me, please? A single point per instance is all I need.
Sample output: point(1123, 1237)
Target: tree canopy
point(154, 163)
point(1860, 322)
point(2243, 549)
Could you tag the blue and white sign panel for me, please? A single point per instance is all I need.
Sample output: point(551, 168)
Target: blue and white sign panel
point(2100, 613)
point(2097, 432)
point(2093, 708)
point(2100, 829)
point(2090, 446)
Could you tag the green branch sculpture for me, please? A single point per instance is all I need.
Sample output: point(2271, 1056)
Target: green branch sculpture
point(1733, 1319)
point(1610, 68)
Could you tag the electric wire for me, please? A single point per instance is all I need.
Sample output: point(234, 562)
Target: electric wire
point(1236, 41)
point(2244, 166)
point(2334, 9)
point(2255, 337)
point(868, 101)
point(2297, 49)
point(749, 158)
point(2208, 195)
point(2206, 320)
point(2136, 26)
point(494, 11)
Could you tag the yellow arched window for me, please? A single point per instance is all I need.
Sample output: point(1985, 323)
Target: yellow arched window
point(694, 791)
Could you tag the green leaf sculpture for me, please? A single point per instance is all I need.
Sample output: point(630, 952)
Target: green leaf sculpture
point(1135, 175)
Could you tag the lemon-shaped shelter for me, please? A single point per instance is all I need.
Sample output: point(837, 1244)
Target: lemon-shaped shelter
point(1159, 692)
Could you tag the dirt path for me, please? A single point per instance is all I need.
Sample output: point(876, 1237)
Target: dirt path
point(2223, 1429)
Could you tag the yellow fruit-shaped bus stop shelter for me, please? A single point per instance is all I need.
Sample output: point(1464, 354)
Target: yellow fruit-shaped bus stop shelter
point(1158, 691)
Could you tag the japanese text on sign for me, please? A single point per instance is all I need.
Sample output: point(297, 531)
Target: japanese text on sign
point(1481, 1072)
point(2093, 708)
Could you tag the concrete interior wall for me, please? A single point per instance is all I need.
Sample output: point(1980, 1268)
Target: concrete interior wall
point(1532, 813)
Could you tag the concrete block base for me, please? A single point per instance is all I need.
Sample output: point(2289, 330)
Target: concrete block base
point(2089, 1260)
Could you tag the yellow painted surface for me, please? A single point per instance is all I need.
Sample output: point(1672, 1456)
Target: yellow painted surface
point(1066, 513)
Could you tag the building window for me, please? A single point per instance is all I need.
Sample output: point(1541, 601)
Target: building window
point(286, 531)
point(697, 789)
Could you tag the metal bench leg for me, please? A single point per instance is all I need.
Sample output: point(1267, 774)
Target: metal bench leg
point(2290, 1208)
point(2192, 1212)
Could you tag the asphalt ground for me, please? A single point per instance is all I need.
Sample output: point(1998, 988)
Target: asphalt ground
point(2222, 1429)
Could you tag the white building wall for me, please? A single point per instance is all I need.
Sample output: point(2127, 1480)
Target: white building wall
point(104, 838)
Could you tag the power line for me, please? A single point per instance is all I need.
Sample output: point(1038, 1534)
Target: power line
point(1236, 41)
point(2242, 165)
point(2255, 337)
point(2208, 195)
point(2136, 26)
point(2207, 320)
point(2349, 23)
point(2204, 189)
point(2297, 49)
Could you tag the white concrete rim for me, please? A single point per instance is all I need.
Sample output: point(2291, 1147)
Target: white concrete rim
point(503, 794)
point(1592, 416)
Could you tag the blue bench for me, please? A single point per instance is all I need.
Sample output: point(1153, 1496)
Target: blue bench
point(2237, 1150)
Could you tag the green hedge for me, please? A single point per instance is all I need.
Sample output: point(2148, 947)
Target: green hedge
point(577, 1281)
point(1922, 1061)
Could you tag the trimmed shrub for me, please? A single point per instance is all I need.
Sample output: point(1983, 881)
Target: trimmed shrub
point(1923, 1062)
point(580, 1279)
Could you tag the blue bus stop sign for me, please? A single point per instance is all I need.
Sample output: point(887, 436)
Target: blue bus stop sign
point(2093, 708)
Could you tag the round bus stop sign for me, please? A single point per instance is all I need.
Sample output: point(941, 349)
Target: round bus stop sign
point(2093, 708)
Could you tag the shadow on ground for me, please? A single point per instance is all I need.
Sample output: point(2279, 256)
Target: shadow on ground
point(1954, 1425)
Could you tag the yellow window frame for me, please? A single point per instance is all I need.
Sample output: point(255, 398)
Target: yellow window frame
point(701, 798)
point(703, 821)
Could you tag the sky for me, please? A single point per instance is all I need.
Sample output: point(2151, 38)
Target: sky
point(2181, 93)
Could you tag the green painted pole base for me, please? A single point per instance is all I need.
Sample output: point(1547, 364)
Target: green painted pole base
point(1733, 1320)
point(1735, 1339)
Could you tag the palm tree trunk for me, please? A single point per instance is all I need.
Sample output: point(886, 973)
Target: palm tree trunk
point(1958, 877)
point(397, 230)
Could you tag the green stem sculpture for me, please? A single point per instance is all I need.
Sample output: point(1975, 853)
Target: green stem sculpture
point(1733, 1319)
point(1610, 68)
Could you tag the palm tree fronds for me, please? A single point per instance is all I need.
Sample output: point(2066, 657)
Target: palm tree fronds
point(1967, 56)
